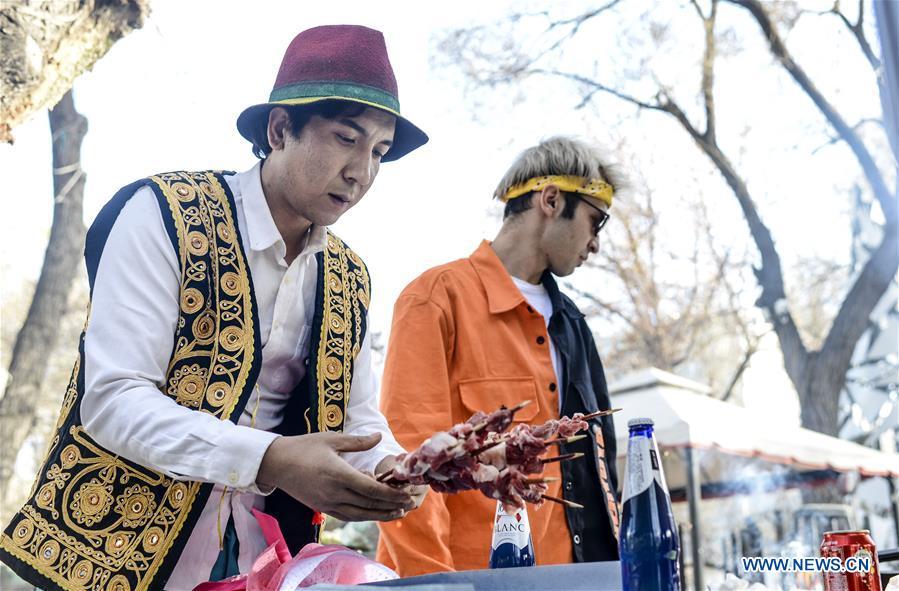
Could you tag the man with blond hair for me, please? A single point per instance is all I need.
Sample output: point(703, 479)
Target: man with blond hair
point(493, 329)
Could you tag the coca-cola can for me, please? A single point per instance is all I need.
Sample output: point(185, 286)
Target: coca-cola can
point(859, 546)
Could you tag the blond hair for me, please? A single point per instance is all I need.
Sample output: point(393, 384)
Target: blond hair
point(559, 155)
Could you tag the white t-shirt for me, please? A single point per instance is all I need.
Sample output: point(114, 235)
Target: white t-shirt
point(538, 298)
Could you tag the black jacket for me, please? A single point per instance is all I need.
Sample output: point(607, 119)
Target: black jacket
point(593, 528)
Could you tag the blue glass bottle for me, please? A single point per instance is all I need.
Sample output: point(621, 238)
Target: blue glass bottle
point(512, 544)
point(649, 544)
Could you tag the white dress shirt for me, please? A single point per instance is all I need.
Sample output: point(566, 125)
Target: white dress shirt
point(129, 340)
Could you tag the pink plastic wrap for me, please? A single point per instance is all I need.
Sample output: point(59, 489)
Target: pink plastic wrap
point(275, 570)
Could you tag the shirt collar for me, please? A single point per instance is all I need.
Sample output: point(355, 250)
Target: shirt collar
point(502, 293)
point(262, 233)
point(555, 296)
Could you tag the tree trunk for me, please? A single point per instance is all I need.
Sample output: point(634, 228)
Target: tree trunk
point(819, 395)
point(46, 44)
point(38, 335)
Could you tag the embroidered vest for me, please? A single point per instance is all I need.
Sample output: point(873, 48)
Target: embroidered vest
point(94, 520)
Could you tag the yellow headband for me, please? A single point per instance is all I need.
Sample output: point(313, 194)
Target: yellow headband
point(597, 188)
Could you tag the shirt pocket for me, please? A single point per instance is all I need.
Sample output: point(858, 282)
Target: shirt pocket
point(488, 394)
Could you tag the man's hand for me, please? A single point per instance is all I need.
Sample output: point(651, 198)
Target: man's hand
point(417, 491)
point(308, 468)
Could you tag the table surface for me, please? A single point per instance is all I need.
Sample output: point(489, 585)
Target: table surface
point(592, 576)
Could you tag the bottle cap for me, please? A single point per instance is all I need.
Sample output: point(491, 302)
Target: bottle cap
point(640, 422)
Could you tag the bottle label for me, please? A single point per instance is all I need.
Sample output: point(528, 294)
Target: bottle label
point(657, 473)
point(643, 466)
point(639, 472)
point(510, 528)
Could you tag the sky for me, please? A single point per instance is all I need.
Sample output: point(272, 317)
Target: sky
point(166, 97)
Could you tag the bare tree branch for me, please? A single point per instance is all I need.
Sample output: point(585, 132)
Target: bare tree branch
point(602, 305)
point(880, 269)
point(577, 21)
point(735, 379)
point(770, 273)
point(852, 319)
point(699, 12)
point(858, 31)
point(778, 48)
point(581, 19)
point(855, 128)
point(708, 68)
point(597, 87)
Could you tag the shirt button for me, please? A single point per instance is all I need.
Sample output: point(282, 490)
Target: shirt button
point(233, 477)
point(540, 340)
point(552, 386)
point(568, 485)
point(577, 539)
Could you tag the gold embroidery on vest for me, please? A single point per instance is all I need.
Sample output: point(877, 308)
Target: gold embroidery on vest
point(97, 521)
point(206, 226)
point(346, 286)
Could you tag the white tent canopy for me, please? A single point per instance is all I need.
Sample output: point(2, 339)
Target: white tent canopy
point(685, 416)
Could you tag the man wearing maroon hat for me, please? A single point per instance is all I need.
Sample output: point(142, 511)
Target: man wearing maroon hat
point(226, 364)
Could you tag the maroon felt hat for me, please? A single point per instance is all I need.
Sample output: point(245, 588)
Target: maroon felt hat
point(343, 62)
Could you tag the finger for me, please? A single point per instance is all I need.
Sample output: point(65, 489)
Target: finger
point(371, 488)
point(349, 486)
point(368, 487)
point(417, 493)
point(346, 443)
point(355, 513)
point(353, 498)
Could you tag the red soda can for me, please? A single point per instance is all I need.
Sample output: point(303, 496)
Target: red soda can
point(856, 545)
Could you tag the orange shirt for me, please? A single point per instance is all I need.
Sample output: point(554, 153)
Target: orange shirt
point(464, 339)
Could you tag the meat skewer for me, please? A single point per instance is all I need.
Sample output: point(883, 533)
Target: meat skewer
point(464, 435)
point(480, 454)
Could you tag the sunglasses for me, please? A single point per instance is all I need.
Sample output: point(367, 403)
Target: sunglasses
point(603, 217)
